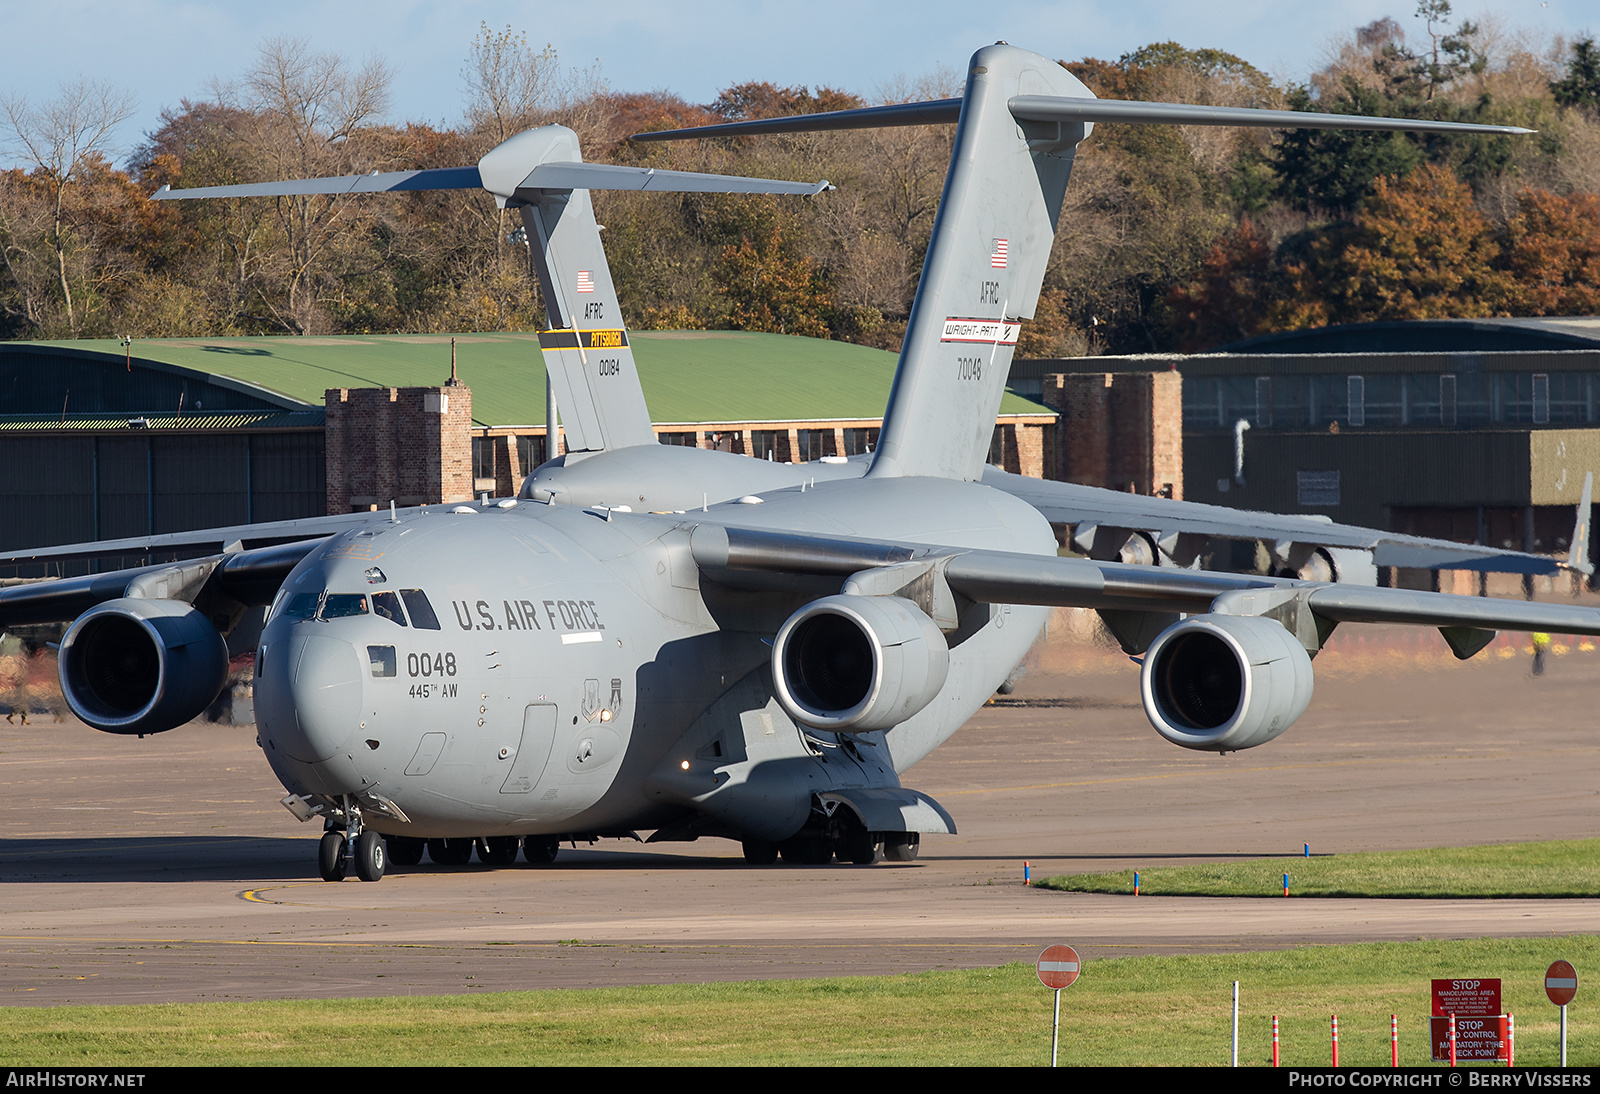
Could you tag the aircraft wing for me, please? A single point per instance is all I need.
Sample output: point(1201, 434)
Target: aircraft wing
point(750, 558)
point(243, 562)
point(1164, 520)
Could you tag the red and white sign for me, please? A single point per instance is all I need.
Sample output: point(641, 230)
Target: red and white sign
point(1561, 983)
point(1058, 967)
point(1466, 997)
point(989, 332)
point(1484, 1037)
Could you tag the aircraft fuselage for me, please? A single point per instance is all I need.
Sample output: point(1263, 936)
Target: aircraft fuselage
point(546, 670)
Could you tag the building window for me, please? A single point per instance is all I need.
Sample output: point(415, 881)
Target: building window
point(1356, 395)
point(682, 440)
point(1317, 488)
point(857, 441)
point(1447, 399)
point(1264, 401)
point(811, 444)
point(530, 452)
point(1541, 398)
point(482, 458)
point(764, 444)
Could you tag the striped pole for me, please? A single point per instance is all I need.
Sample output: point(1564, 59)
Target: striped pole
point(1452, 1038)
point(1026, 873)
point(1136, 883)
point(1335, 1040)
point(1511, 1038)
point(1394, 1040)
point(1285, 884)
point(1274, 1040)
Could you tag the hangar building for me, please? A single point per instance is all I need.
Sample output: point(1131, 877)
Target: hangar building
point(1474, 430)
point(101, 441)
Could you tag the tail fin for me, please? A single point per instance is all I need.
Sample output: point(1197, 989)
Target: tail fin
point(1019, 125)
point(586, 352)
point(985, 266)
point(1578, 553)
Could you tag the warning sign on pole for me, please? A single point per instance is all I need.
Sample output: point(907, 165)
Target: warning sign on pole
point(1561, 983)
point(1058, 967)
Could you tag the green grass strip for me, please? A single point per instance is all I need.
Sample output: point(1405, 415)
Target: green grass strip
point(1124, 1011)
point(1558, 868)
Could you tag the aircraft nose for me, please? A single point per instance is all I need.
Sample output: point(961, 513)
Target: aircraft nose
point(313, 700)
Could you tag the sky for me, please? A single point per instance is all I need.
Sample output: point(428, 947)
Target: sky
point(163, 51)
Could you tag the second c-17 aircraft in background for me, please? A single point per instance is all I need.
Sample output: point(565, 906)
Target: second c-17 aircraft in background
point(767, 652)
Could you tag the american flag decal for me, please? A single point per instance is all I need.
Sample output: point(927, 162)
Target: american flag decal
point(585, 281)
point(997, 258)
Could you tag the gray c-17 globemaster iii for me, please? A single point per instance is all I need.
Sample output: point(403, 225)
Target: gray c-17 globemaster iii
point(763, 654)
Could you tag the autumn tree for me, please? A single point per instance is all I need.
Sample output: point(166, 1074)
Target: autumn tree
point(1233, 295)
point(767, 284)
point(1553, 254)
point(62, 141)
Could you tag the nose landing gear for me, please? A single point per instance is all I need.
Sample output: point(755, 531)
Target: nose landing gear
point(342, 847)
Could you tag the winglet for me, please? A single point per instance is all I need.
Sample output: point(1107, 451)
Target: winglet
point(1578, 554)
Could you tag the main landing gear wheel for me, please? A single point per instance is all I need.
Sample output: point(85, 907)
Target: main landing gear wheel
point(370, 856)
point(451, 850)
point(406, 850)
point(497, 850)
point(330, 857)
point(900, 847)
point(540, 850)
point(760, 852)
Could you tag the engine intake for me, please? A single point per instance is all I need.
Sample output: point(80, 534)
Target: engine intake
point(858, 663)
point(141, 666)
point(1221, 682)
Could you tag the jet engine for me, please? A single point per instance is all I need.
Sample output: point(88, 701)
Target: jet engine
point(858, 663)
point(141, 666)
point(1219, 683)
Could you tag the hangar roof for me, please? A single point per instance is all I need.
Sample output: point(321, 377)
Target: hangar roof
point(688, 376)
point(1432, 336)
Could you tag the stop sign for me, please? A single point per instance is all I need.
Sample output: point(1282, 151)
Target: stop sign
point(1561, 983)
point(1058, 967)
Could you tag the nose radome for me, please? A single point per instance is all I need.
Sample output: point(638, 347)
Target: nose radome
point(326, 694)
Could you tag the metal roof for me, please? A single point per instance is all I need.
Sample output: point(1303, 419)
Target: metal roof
point(688, 376)
point(1432, 335)
point(155, 423)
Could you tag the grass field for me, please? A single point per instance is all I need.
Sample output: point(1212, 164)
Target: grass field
point(1126, 1011)
point(1559, 868)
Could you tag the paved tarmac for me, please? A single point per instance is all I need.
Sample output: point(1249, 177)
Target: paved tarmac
point(164, 870)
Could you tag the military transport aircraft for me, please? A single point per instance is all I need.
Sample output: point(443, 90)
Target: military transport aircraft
point(766, 653)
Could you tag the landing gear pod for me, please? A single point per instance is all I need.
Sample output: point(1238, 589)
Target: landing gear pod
point(141, 666)
point(1219, 683)
point(858, 663)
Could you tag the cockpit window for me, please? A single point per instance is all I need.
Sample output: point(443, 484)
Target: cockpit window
point(421, 611)
point(388, 606)
point(340, 605)
point(302, 605)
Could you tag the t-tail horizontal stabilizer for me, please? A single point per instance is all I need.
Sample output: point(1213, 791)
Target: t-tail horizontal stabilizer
point(541, 173)
point(1018, 126)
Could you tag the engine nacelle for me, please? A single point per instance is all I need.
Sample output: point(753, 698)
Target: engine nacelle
point(1222, 682)
point(858, 663)
point(141, 666)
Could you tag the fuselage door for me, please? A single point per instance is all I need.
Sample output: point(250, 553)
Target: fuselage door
point(533, 751)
